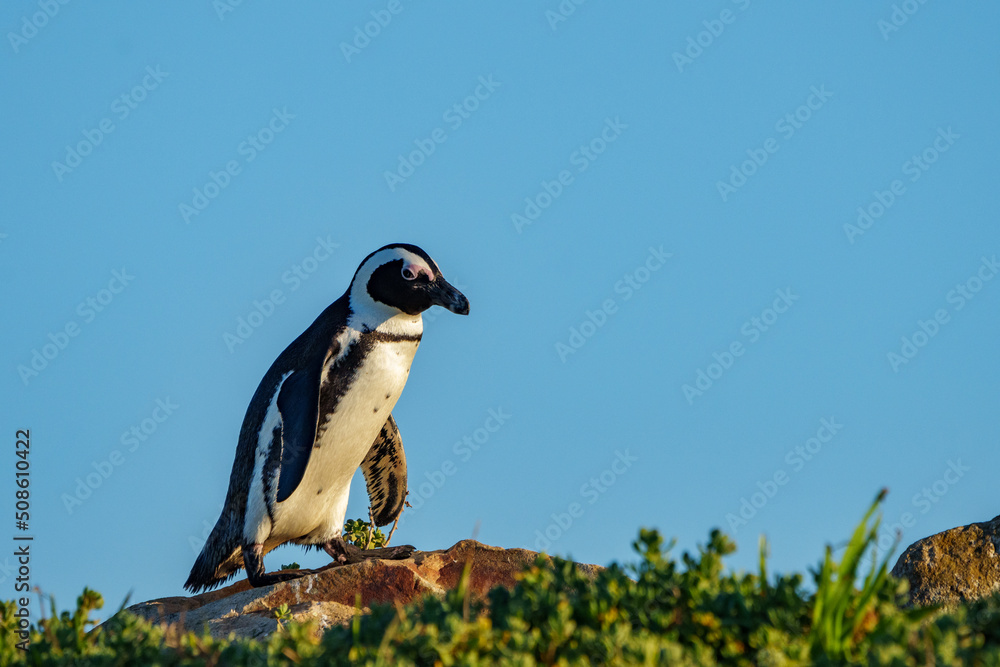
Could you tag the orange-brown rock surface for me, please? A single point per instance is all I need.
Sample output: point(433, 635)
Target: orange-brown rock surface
point(958, 565)
point(329, 595)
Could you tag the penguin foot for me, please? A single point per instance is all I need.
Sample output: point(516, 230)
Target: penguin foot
point(253, 560)
point(345, 553)
point(272, 578)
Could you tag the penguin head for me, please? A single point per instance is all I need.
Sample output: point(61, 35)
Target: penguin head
point(403, 278)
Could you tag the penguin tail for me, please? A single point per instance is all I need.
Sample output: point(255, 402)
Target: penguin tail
point(219, 561)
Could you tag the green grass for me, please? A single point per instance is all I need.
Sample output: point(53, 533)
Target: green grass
point(657, 610)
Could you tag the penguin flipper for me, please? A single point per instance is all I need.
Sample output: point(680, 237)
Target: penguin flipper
point(384, 468)
point(298, 404)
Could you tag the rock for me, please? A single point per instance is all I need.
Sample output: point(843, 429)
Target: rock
point(329, 595)
point(958, 565)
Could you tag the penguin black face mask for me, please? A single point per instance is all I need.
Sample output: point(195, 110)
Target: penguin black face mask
point(413, 288)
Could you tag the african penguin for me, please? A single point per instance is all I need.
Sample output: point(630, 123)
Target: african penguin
point(323, 409)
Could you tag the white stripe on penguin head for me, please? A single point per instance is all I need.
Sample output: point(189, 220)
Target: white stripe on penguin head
point(371, 313)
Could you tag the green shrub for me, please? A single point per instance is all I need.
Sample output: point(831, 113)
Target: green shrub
point(364, 535)
point(653, 612)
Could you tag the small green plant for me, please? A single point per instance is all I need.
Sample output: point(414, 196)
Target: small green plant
point(291, 566)
point(845, 616)
point(841, 613)
point(364, 535)
point(283, 615)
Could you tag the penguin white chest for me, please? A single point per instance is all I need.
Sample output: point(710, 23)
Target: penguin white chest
point(316, 509)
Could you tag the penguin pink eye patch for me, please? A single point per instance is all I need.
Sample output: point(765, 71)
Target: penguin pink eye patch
point(412, 271)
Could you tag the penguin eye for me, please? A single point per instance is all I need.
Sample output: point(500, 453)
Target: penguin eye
point(409, 273)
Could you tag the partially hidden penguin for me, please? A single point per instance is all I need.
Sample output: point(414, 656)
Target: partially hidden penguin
point(324, 409)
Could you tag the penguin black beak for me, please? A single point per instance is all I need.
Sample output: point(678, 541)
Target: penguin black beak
point(443, 294)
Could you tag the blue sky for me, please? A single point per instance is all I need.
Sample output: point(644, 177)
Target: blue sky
point(730, 264)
